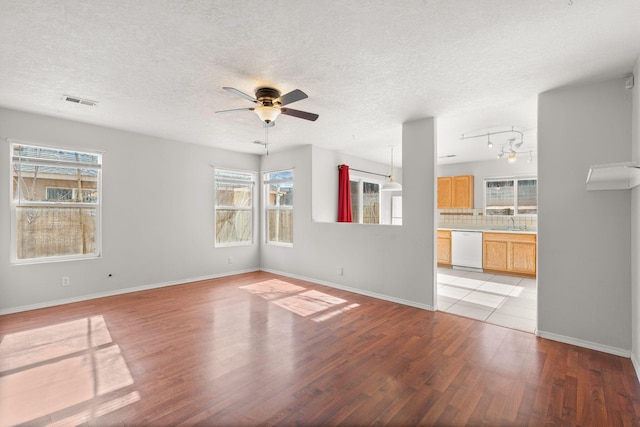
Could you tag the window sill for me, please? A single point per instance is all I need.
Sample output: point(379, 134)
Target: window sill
point(49, 260)
point(285, 245)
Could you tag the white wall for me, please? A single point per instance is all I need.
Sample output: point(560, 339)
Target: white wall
point(584, 244)
point(392, 262)
point(489, 169)
point(157, 215)
point(635, 227)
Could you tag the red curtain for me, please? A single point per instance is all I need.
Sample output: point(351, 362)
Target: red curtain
point(344, 195)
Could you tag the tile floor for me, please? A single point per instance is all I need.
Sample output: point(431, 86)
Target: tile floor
point(502, 300)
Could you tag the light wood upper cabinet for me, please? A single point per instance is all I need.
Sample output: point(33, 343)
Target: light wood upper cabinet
point(455, 192)
point(462, 192)
point(444, 247)
point(509, 252)
point(445, 192)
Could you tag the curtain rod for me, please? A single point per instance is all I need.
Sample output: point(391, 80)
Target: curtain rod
point(360, 170)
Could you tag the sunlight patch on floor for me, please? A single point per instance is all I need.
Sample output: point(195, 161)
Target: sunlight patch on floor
point(298, 299)
point(309, 302)
point(59, 368)
point(50, 342)
point(272, 289)
point(329, 315)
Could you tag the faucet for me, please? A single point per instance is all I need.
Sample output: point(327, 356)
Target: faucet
point(513, 223)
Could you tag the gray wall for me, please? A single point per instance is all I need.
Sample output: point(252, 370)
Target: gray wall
point(635, 227)
point(157, 214)
point(584, 244)
point(392, 262)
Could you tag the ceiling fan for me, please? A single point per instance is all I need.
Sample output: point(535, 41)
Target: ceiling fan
point(270, 104)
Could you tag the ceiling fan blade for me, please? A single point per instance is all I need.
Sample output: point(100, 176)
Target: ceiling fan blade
point(293, 96)
point(299, 114)
point(239, 93)
point(234, 110)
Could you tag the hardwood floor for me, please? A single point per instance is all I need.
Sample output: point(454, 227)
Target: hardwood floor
point(261, 349)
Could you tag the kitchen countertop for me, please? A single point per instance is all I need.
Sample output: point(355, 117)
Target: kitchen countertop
point(487, 229)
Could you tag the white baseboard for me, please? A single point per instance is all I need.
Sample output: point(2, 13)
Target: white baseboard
point(636, 364)
point(586, 344)
point(354, 290)
point(120, 291)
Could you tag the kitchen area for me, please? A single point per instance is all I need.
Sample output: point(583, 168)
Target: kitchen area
point(487, 234)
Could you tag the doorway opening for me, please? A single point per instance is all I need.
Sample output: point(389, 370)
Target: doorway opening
point(486, 215)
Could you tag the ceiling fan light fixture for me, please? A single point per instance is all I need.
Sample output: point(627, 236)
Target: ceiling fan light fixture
point(267, 114)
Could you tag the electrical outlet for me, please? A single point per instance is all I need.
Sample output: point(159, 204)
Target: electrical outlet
point(340, 271)
point(230, 260)
point(65, 281)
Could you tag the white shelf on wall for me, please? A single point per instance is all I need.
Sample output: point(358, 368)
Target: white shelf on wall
point(614, 176)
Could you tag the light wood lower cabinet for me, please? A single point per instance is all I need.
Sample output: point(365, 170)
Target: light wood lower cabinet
point(444, 247)
point(509, 253)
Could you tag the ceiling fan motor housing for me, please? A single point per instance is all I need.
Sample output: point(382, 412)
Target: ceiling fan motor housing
point(266, 95)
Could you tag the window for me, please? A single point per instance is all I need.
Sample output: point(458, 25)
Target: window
point(365, 201)
point(278, 188)
point(55, 207)
point(511, 196)
point(234, 207)
point(56, 194)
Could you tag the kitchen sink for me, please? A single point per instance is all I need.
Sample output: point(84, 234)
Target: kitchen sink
point(524, 228)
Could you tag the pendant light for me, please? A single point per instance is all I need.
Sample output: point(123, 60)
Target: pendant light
point(391, 185)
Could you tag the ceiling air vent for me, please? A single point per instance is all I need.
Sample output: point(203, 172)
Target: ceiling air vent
point(77, 100)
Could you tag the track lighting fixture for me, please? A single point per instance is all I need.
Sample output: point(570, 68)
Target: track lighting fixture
point(509, 148)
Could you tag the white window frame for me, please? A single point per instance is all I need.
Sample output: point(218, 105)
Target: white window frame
point(251, 209)
point(14, 204)
point(265, 197)
point(361, 180)
point(515, 194)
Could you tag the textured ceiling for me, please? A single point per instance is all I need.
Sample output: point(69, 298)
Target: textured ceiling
point(158, 66)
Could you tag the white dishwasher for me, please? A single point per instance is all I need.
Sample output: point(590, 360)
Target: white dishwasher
point(466, 250)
